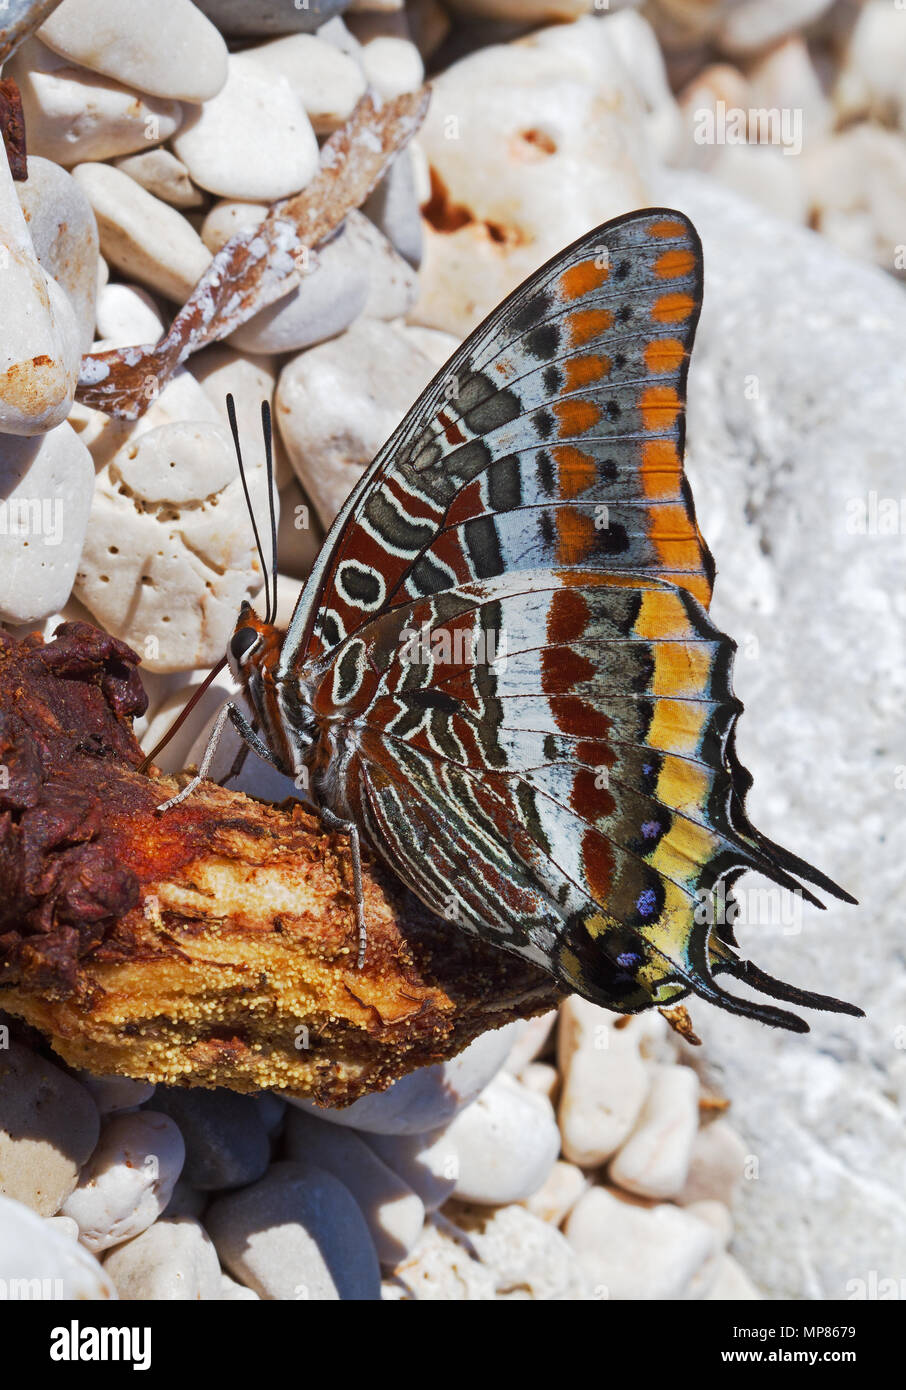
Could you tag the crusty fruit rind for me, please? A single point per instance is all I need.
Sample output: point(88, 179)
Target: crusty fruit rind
point(214, 945)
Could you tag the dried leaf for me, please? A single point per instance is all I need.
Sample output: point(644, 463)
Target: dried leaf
point(258, 267)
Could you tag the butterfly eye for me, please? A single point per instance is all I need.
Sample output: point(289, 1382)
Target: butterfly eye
point(242, 642)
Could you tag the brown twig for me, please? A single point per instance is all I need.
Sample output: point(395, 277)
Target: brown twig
point(12, 127)
point(259, 266)
point(214, 945)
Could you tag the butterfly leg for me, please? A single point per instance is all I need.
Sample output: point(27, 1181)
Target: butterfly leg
point(235, 716)
point(352, 830)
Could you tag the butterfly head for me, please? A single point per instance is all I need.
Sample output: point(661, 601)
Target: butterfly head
point(254, 647)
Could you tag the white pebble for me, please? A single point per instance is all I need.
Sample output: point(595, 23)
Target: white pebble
point(531, 1041)
point(231, 1292)
point(558, 1194)
point(441, 1270)
point(72, 114)
point(327, 82)
point(632, 1251)
point(357, 272)
point(39, 355)
point(142, 236)
point(717, 1165)
point(427, 1098)
point(161, 173)
point(528, 1257)
point(112, 1093)
point(173, 1260)
point(296, 1234)
point(253, 140)
point(165, 47)
point(654, 1160)
point(169, 575)
point(127, 316)
point(605, 1081)
point(506, 1142)
point(46, 484)
point(427, 1163)
point(395, 1214)
point(227, 219)
point(392, 66)
point(128, 1180)
point(64, 234)
point(339, 401)
point(45, 1263)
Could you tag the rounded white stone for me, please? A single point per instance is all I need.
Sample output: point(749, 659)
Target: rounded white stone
point(531, 1041)
point(393, 207)
point(427, 1098)
point(296, 1234)
point(356, 272)
point(46, 485)
point(327, 300)
point(127, 316)
point(239, 18)
point(169, 555)
point(395, 1214)
point(507, 129)
point(506, 1143)
point(654, 1160)
point(541, 1078)
point(48, 1129)
point(731, 1284)
point(166, 47)
point(527, 1257)
point(144, 238)
point(717, 1165)
point(327, 82)
point(870, 78)
point(340, 400)
point(173, 1260)
point(634, 1251)
point(441, 1270)
point(392, 66)
point(253, 140)
point(428, 1163)
point(223, 370)
point(39, 354)
point(161, 173)
point(112, 1093)
point(752, 25)
point(231, 1292)
point(42, 1262)
point(72, 114)
point(128, 1180)
point(227, 219)
point(605, 1081)
point(558, 1194)
point(64, 234)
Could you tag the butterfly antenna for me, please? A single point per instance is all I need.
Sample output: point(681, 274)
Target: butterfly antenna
point(183, 715)
point(231, 412)
point(267, 429)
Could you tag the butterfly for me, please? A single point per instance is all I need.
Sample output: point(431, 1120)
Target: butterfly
point(501, 672)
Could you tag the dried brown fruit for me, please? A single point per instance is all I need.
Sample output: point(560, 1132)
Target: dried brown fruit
point(214, 945)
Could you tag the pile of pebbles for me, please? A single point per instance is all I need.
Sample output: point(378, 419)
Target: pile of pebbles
point(574, 1158)
point(577, 1156)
